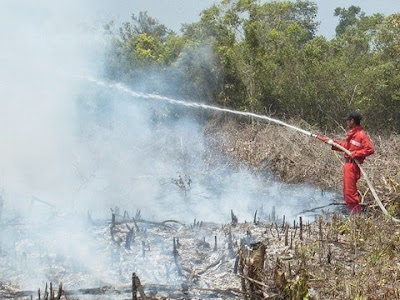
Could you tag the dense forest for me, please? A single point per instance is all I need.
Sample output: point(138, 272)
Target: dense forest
point(267, 58)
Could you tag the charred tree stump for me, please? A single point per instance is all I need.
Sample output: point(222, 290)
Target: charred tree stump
point(134, 287)
point(256, 269)
point(176, 258)
point(231, 253)
point(60, 291)
point(286, 235)
point(291, 240)
point(321, 242)
point(129, 238)
point(113, 220)
point(137, 287)
point(329, 256)
point(174, 250)
point(46, 294)
point(279, 276)
point(321, 235)
point(235, 220)
point(112, 226)
point(242, 264)
point(277, 231)
point(301, 229)
point(136, 225)
point(236, 265)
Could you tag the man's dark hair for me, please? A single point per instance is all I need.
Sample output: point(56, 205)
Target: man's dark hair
point(354, 116)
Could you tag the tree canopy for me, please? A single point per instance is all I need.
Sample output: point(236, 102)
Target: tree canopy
point(268, 58)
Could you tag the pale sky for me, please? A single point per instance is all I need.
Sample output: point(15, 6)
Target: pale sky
point(175, 12)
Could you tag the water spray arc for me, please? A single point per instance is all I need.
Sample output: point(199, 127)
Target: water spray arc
point(125, 89)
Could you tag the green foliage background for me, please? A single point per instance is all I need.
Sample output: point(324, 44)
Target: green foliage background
point(266, 58)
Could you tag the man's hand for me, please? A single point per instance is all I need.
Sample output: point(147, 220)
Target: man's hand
point(325, 140)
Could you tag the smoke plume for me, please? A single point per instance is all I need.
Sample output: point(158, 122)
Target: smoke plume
point(70, 146)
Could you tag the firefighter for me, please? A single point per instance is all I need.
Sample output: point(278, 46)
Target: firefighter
point(360, 146)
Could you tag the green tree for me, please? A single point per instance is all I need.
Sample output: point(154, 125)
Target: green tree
point(347, 18)
point(381, 89)
point(266, 57)
point(144, 24)
point(142, 43)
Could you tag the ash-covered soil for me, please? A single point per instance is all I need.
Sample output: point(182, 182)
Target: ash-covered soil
point(336, 258)
point(171, 259)
point(332, 257)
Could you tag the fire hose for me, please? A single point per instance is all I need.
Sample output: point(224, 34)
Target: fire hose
point(371, 187)
point(249, 114)
point(324, 139)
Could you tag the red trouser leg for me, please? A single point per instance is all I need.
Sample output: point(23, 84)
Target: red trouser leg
point(351, 174)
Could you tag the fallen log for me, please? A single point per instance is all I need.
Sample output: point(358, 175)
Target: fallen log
point(214, 264)
point(320, 207)
point(102, 222)
point(150, 290)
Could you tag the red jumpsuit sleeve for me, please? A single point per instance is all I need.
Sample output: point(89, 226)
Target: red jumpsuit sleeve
point(366, 149)
point(341, 143)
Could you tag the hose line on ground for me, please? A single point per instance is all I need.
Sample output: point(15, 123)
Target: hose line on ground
point(374, 194)
point(372, 189)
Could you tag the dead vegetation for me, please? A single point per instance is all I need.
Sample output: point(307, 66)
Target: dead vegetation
point(353, 257)
point(335, 257)
point(341, 257)
point(296, 158)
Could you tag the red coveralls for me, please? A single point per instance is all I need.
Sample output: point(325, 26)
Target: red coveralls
point(360, 146)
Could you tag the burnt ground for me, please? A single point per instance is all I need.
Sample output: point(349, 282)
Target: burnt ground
point(340, 258)
point(367, 249)
point(297, 158)
point(331, 257)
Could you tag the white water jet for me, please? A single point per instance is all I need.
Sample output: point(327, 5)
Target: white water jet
point(122, 88)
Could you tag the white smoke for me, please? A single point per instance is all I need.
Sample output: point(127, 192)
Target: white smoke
point(44, 45)
point(69, 146)
point(37, 119)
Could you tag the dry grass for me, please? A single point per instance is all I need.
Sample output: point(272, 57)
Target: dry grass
point(359, 259)
point(296, 158)
point(355, 257)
